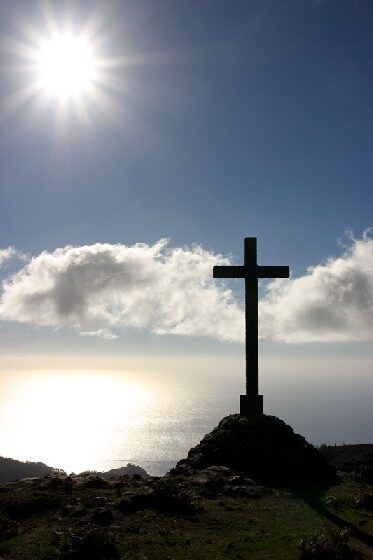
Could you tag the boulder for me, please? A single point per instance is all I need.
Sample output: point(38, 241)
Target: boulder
point(264, 449)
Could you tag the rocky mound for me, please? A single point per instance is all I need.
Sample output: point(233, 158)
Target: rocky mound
point(265, 449)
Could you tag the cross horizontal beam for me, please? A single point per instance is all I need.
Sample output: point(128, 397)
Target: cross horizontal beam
point(251, 271)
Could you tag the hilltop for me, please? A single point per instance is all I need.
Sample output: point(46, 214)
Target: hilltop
point(196, 512)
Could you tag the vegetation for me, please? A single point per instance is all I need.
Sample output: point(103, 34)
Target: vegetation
point(210, 514)
point(348, 457)
point(327, 546)
point(89, 542)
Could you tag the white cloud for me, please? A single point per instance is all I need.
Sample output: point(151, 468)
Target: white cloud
point(332, 302)
point(6, 254)
point(100, 288)
point(102, 333)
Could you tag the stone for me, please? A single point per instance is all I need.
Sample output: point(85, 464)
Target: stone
point(131, 502)
point(264, 449)
point(75, 510)
point(96, 482)
point(54, 483)
point(366, 474)
point(364, 501)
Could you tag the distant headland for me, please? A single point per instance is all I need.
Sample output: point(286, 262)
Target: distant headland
point(12, 469)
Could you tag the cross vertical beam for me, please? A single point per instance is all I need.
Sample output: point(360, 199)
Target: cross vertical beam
point(251, 404)
point(251, 315)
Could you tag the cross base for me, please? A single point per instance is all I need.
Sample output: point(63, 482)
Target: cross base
point(251, 406)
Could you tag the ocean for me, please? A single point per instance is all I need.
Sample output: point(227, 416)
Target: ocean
point(94, 420)
point(103, 419)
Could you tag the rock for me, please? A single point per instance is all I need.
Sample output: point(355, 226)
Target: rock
point(264, 449)
point(167, 496)
point(30, 480)
point(53, 482)
point(75, 510)
point(103, 516)
point(364, 501)
point(130, 503)
point(219, 471)
point(366, 474)
point(96, 482)
point(99, 501)
point(247, 492)
point(213, 488)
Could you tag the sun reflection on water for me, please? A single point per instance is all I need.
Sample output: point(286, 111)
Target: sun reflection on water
point(66, 419)
point(103, 419)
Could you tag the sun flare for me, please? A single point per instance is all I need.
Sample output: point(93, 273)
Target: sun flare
point(65, 66)
point(68, 67)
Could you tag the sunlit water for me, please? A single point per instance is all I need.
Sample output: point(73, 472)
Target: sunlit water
point(98, 421)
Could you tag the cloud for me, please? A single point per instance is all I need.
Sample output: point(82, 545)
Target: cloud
point(332, 302)
point(6, 254)
point(99, 289)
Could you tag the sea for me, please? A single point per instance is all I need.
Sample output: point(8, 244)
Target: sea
point(103, 419)
point(99, 420)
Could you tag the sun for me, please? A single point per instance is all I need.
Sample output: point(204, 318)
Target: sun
point(65, 66)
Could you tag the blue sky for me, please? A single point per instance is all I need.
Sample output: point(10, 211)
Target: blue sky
point(229, 119)
point(253, 119)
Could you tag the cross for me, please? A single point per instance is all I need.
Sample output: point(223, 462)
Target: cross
point(251, 404)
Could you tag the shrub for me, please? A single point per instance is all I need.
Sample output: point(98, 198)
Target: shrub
point(8, 528)
point(136, 502)
point(364, 500)
point(171, 498)
point(87, 543)
point(322, 546)
point(332, 501)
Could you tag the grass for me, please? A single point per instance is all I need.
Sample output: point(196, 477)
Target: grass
point(43, 522)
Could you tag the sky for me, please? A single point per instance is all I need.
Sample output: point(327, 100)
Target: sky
point(208, 122)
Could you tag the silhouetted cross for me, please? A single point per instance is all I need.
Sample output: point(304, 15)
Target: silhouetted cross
point(251, 404)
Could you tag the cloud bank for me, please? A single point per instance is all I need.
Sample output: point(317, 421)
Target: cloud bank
point(332, 302)
point(101, 289)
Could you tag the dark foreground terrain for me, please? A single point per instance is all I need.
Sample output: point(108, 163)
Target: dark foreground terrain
point(212, 513)
point(251, 489)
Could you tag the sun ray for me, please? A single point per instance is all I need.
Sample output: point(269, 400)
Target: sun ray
point(12, 103)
